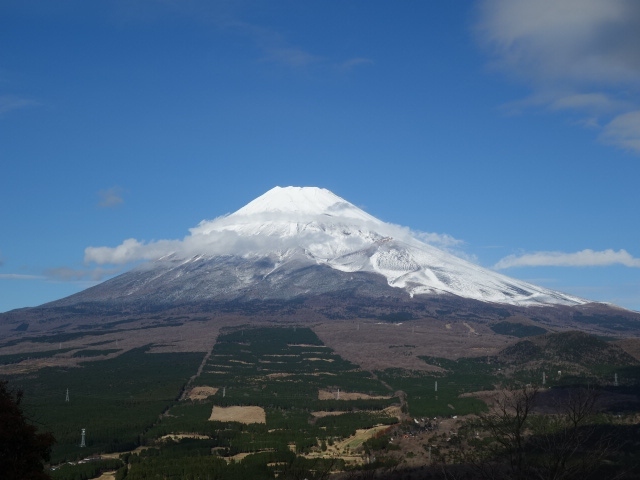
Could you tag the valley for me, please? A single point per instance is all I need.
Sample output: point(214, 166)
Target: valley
point(262, 400)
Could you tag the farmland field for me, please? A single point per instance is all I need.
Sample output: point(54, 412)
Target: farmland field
point(272, 401)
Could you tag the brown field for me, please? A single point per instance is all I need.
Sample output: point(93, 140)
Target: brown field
point(179, 436)
point(393, 411)
point(378, 346)
point(328, 395)
point(107, 476)
point(245, 415)
point(359, 438)
point(201, 393)
point(321, 414)
point(348, 448)
point(631, 346)
point(279, 375)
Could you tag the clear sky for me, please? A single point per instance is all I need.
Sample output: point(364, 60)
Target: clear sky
point(509, 129)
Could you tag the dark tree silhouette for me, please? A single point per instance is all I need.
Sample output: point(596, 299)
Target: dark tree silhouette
point(519, 444)
point(23, 450)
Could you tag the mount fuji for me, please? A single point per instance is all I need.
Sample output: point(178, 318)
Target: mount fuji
point(305, 241)
point(304, 253)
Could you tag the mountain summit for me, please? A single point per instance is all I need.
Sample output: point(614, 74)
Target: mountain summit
point(295, 242)
point(303, 201)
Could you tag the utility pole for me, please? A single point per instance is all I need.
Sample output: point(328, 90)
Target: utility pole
point(66, 399)
point(544, 379)
point(82, 442)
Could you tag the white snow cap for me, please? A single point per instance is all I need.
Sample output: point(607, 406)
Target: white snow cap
point(303, 201)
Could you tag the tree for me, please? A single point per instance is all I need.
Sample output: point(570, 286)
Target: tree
point(507, 426)
point(518, 443)
point(23, 450)
point(570, 444)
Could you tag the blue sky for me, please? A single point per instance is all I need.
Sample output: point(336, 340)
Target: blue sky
point(510, 126)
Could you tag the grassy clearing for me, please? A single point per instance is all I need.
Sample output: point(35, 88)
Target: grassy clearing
point(245, 415)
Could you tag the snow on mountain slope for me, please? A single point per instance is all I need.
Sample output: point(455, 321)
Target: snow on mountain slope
point(304, 201)
point(325, 229)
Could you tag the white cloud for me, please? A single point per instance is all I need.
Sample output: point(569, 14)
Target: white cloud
point(354, 63)
point(271, 45)
point(111, 197)
point(576, 55)
point(574, 40)
point(15, 102)
point(596, 102)
point(67, 274)
point(584, 258)
point(222, 237)
point(624, 131)
point(131, 250)
point(442, 240)
point(289, 55)
point(446, 242)
point(19, 276)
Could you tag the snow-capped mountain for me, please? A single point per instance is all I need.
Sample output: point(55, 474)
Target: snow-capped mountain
point(297, 241)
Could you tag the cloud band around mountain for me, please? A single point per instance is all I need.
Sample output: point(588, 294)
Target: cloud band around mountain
point(217, 237)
